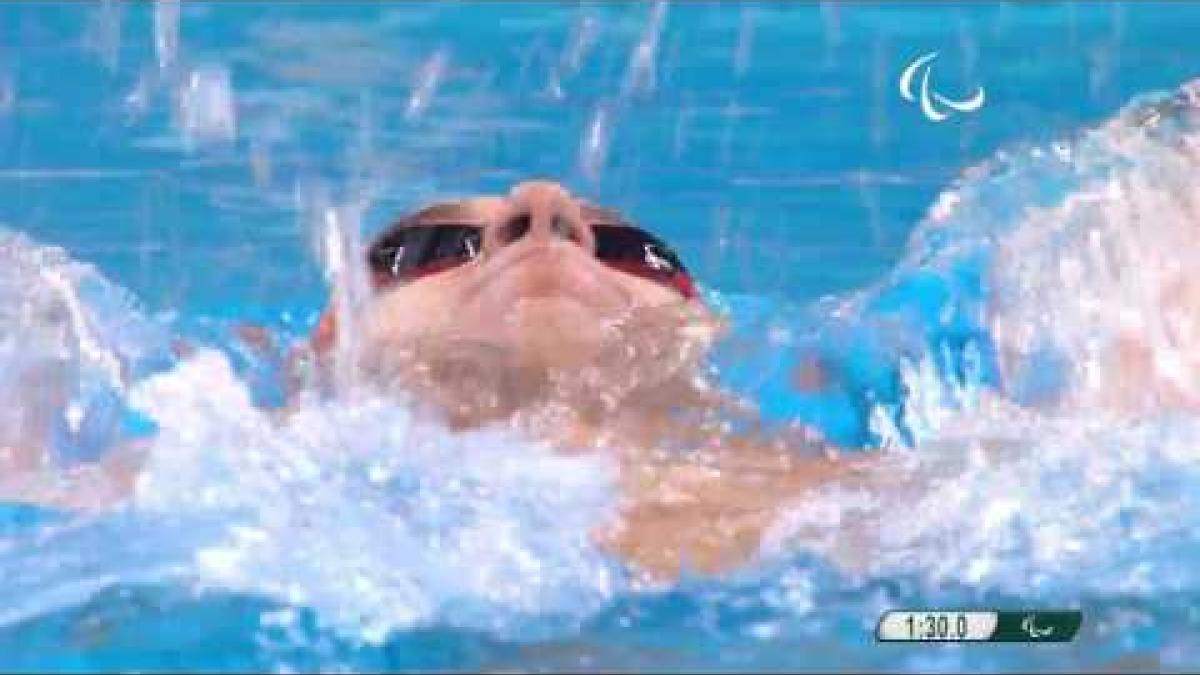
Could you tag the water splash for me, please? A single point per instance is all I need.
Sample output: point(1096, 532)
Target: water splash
point(1086, 247)
point(1109, 471)
point(90, 350)
point(234, 497)
point(335, 232)
point(1070, 246)
point(372, 527)
point(69, 341)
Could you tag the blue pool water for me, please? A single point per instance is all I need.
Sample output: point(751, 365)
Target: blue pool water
point(165, 169)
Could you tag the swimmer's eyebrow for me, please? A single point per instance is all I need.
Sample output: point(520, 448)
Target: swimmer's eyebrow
point(453, 213)
point(598, 215)
point(462, 213)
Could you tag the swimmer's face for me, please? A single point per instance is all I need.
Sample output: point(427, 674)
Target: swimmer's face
point(530, 279)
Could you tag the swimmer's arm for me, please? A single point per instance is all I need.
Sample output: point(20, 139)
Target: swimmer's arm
point(710, 516)
point(25, 478)
point(304, 363)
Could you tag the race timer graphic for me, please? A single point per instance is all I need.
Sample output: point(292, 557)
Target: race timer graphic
point(936, 625)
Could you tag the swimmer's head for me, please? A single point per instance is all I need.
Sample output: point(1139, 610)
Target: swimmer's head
point(545, 276)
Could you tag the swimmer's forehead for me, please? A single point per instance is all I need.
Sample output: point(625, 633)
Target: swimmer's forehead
point(481, 210)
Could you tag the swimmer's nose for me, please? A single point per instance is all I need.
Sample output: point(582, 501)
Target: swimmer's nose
point(541, 212)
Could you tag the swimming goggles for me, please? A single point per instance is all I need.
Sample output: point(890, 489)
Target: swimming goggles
point(407, 252)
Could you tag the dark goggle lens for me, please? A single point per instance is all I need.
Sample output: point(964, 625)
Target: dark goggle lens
point(413, 251)
point(630, 246)
point(640, 253)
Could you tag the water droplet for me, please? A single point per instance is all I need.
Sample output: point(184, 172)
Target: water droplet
point(593, 151)
point(640, 74)
point(425, 84)
point(103, 33)
point(166, 32)
point(205, 111)
point(745, 42)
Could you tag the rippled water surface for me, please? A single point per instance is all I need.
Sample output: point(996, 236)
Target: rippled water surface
point(169, 170)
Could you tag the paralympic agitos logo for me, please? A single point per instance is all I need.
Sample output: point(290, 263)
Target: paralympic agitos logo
point(934, 106)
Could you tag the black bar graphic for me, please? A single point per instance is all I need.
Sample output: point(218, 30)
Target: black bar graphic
point(1037, 626)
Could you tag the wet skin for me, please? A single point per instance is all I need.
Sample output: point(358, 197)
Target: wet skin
point(539, 333)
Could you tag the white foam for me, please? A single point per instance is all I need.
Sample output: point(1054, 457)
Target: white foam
point(68, 338)
point(1000, 494)
point(381, 521)
point(375, 519)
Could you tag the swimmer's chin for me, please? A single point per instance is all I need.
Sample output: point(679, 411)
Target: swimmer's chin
point(552, 311)
point(554, 330)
